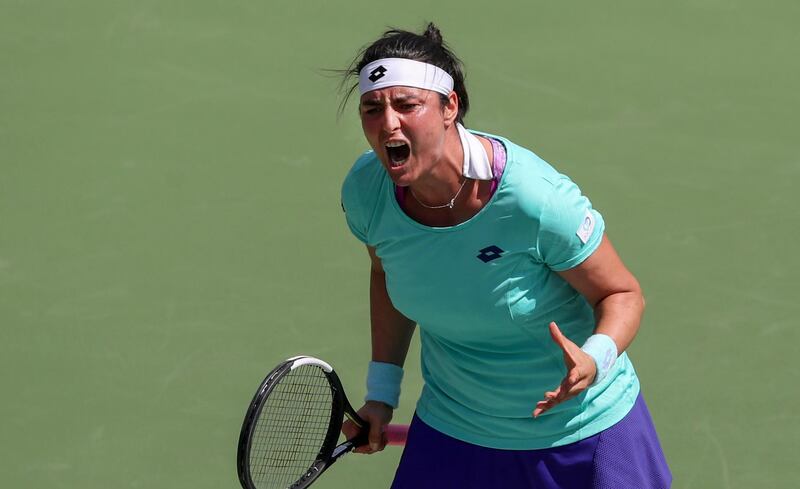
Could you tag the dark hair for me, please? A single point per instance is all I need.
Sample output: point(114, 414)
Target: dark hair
point(427, 47)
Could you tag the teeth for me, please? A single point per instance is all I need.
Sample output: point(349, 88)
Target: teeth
point(394, 157)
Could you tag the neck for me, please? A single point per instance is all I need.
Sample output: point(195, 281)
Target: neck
point(446, 176)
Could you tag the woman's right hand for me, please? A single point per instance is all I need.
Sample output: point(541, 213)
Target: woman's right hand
point(378, 415)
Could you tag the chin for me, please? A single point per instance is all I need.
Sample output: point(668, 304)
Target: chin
point(400, 180)
point(400, 175)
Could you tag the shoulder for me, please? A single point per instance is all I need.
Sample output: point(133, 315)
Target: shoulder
point(365, 173)
point(368, 161)
point(526, 164)
point(361, 191)
point(532, 180)
point(569, 229)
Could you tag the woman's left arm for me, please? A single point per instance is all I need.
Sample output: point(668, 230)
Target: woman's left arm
point(614, 293)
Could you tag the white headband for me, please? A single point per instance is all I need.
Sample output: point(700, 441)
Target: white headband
point(392, 72)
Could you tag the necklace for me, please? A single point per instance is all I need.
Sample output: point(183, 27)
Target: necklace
point(449, 205)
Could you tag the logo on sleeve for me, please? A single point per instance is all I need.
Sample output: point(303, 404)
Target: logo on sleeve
point(587, 227)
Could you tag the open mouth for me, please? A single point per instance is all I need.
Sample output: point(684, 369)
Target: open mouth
point(398, 153)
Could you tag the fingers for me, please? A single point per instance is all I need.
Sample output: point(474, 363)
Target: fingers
point(566, 345)
point(572, 385)
point(580, 374)
point(350, 430)
point(377, 440)
point(377, 415)
point(541, 407)
point(550, 400)
point(556, 334)
point(547, 404)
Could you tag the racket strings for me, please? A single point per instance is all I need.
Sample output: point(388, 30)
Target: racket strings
point(291, 428)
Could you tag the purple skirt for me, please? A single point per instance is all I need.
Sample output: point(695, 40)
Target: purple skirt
point(624, 456)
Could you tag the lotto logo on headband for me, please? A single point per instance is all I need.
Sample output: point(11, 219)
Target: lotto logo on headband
point(377, 74)
point(393, 72)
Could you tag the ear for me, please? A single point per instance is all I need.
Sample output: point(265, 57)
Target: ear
point(450, 110)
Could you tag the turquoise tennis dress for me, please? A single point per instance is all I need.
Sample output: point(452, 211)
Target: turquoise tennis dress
point(483, 293)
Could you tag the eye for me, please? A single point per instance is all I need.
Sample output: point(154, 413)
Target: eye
point(370, 110)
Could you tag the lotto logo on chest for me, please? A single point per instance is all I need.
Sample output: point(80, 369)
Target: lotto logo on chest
point(490, 253)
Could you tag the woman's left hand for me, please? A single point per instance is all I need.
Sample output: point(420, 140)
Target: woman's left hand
point(581, 371)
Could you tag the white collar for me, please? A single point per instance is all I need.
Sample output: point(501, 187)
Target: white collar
point(476, 162)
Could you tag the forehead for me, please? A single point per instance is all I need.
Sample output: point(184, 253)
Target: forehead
point(395, 93)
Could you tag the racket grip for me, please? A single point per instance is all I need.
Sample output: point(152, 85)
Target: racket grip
point(396, 434)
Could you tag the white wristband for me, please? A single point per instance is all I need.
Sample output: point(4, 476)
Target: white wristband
point(383, 383)
point(604, 352)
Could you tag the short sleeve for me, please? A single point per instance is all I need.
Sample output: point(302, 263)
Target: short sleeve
point(353, 210)
point(360, 193)
point(570, 230)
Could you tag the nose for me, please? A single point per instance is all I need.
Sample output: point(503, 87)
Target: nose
point(391, 121)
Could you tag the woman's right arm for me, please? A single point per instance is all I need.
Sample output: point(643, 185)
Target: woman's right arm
point(391, 330)
point(391, 337)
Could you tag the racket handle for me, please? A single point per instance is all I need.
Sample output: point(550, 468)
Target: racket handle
point(396, 434)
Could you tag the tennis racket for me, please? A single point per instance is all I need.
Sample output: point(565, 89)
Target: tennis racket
point(293, 423)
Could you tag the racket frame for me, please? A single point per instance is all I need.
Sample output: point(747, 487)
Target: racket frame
point(329, 452)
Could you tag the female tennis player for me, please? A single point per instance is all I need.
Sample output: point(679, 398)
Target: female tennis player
point(525, 310)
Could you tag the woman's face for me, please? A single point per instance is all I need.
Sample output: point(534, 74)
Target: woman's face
point(406, 128)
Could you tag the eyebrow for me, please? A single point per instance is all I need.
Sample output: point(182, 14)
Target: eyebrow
point(376, 102)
